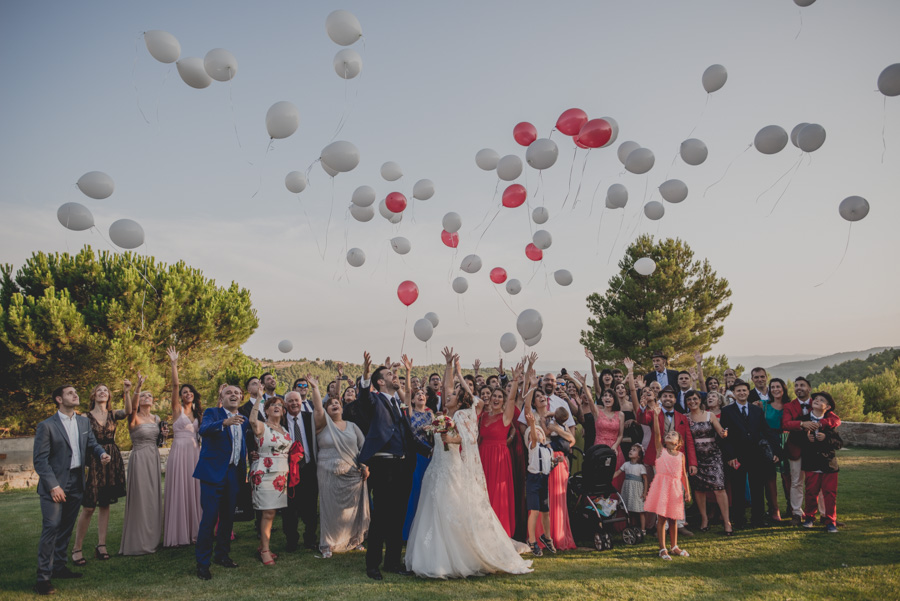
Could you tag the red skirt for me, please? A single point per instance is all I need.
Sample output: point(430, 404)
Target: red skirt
point(560, 532)
point(497, 464)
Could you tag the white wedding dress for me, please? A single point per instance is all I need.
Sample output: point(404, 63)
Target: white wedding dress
point(455, 532)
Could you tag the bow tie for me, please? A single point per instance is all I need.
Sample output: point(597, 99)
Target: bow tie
point(670, 414)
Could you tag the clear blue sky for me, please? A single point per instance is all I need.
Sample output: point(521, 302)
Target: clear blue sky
point(440, 82)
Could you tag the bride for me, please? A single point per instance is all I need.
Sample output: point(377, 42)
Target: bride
point(455, 532)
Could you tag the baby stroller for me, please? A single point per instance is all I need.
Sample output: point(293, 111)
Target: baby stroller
point(596, 509)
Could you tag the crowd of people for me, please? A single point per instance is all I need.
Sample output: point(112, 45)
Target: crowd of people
point(392, 457)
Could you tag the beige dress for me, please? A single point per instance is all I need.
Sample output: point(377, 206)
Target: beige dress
point(143, 522)
point(343, 496)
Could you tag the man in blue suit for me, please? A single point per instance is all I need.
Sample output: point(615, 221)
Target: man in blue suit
point(390, 452)
point(222, 466)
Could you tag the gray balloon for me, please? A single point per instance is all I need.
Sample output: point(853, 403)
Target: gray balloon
point(513, 286)
point(423, 329)
point(75, 216)
point(460, 285)
point(854, 208)
point(508, 342)
point(771, 139)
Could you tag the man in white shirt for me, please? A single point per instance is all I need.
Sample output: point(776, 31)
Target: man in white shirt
point(760, 379)
point(302, 498)
point(548, 386)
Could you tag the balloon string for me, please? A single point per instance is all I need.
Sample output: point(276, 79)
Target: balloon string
point(486, 229)
point(259, 170)
point(800, 162)
point(405, 323)
point(594, 198)
point(483, 219)
point(159, 96)
point(137, 94)
point(883, 124)
point(783, 175)
point(581, 180)
point(571, 171)
point(233, 116)
point(726, 170)
point(348, 104)
point(126, 255)
point(328, 226)
point(699, 119)
point(312, 232)
point(613, 247)
point(504, 300)
point(799, 12)
point(841, 262)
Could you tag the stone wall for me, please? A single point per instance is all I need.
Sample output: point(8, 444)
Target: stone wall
point(861, 434)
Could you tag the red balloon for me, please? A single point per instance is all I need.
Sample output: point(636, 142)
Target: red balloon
point(595, 133)
point(451, 240)
point(498, 275)
point(407, 292)
point(578, 142)
point(395, 202)
point(525, 133)
point(533, 252)
point(571, 121)
point(514, 196)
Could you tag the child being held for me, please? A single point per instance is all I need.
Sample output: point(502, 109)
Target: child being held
point(537, 490)
point(819, 461)
point(557, 442)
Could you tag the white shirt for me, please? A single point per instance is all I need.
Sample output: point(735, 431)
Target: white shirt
point(235, 440)
point(807, 406)
point(538, 457)
point(743, 409)
point(71, 427)
point(554, 403)
point(763, 395)
point(260, 403)
point(298, 419)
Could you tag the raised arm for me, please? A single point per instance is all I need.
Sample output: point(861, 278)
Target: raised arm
point(176, 402)
point(654, 416)
point(509, 410)
point(629, 380)
point(590, 356)
point(406, 393)
point(318, 409)
point(126, 394)
point(447, 381)
point(586, 396)
point(698, 357)
point(256, 426)
point(137, 400)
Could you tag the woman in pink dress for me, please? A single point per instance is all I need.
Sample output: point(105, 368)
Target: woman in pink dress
point(495, 457)
point(609, 424)
point(181, 518)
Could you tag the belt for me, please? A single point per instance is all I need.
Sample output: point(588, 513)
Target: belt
point(633, 477)
point(387, 456)
point(704, 440)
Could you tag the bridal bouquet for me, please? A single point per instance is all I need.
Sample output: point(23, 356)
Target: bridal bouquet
point(441, 423)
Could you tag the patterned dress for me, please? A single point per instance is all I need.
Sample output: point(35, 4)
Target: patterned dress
point(418, 421)
point(105, 484)
point(268, 474)
point(633, 487)
point(710, 466)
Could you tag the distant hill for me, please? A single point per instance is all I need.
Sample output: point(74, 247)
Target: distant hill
point(792, 369)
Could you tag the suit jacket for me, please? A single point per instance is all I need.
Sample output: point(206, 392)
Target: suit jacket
point(670, 373)
point(680, 405)
point(374, 405)
point(353, 413)
point(215, 450)
point(754, 395)
point(682, 426)
point(311, 448)
point(743, 440)
point(52, 456)
point(791, 420)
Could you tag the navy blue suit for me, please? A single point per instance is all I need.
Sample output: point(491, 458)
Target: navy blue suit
point(219, 481)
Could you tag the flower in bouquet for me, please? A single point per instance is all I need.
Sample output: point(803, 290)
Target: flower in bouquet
point(440, 424)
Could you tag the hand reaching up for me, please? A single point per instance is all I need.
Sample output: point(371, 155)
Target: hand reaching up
point(172, 353)
point(448, 354)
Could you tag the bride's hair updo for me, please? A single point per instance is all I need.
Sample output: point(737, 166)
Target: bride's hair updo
point(463, 398)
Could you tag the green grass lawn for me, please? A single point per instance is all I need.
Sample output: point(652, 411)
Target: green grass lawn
point(861, 562)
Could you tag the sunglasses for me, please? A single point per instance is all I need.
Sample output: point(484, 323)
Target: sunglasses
point(301, 385)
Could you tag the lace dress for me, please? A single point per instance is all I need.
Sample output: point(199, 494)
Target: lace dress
point(105, 484)
point(455, 533)
point(710, 466)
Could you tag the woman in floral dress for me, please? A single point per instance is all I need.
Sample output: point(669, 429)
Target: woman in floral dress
point(268, 474)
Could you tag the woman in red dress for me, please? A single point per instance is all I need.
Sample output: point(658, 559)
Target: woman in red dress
point(496, 460)
point(610, 426)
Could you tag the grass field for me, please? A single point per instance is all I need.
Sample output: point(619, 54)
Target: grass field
point(861, 562)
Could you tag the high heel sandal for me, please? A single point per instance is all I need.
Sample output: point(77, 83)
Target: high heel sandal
point(729, 532)
point(259, 551)
point(271, 561)
point(101, 556)
point(78, 562)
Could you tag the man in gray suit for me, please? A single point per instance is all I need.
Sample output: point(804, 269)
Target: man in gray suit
point(61, 444)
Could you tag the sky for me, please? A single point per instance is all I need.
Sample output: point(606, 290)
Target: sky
point(439, 82)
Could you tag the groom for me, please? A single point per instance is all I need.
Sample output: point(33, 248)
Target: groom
point(390, 452)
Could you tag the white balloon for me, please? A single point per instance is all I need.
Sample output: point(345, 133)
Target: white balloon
point(673, 190)
point(487, 159)
point(331, 172)
point(396, 218)
point(529, 323)
point(363, 196)
point(563, 277)
point(615, 131)
point(423, 189)
point(433, 318)
point(542, 153)
point(513, 286)
point(342, 156)
point(714, 78)
point(343, 27)
point(534, 340)
point(645, 266)
point(617, 196)
point(391, 171)
point(162, 45)
point(383, 210)
point(96, 185)
point(889, 80)
point(400, 245)
point(626, 148)
point(796, 131)
point(854, 208)
point(362, 214)
point(640, 160)
point(803, 3)
point(654, 210)
point(471, 264)
point(193, 73)
point(423, 329)
point(356, 257)
point(75, 216)
point(542, 239)
point(220, 64)
point(771, 139)
point(460, 285)
point(509, 168)
point(126, 233)
point(693, 151)
point(285, 346)
point(282, 119)
point(540, 215)
point(295, 181)
point(811, 137)
point(451, 222)
point(508, 342)
point(347, 63)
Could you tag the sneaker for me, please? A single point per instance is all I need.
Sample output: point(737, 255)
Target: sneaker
point(545, 540)
point(809, 523)
point(831, 529)
point(536, 549)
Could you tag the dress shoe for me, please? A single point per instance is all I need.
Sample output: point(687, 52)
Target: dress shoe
point(203, 572)
point(400, 571)
point(65, 572)
point(44, 587)
point(795, 521)
point(226, 562)
point(684, 532)
point(374, 574)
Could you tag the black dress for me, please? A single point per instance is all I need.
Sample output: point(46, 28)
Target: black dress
point(105, 484)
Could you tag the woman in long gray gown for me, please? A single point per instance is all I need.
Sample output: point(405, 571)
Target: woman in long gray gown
point(343, 497)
